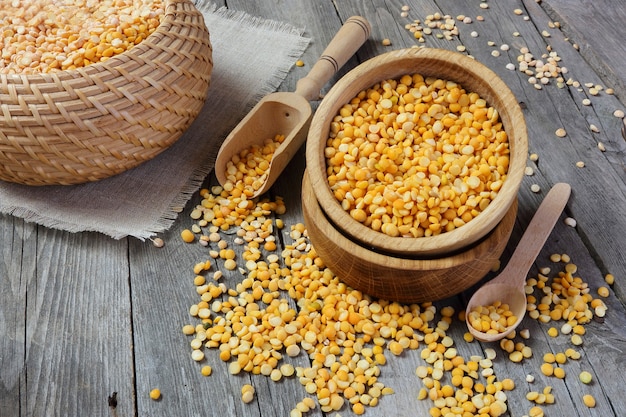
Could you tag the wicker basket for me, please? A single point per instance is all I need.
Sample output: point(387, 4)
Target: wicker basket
point(71, 127)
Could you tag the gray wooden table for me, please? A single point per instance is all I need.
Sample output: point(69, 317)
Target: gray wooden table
point(89, 325)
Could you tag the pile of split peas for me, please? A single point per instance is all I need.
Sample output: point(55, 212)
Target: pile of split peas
point(416, 156)
point(250, 167)
point(40, 36)
point(289, 304)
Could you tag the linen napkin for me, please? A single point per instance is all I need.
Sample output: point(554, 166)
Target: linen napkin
point(251, 57)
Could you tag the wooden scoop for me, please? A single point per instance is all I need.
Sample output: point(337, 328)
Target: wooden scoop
point(289, 114)
point(508, 286)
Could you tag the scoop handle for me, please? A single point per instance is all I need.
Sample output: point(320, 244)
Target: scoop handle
point(354, 32)
point(539, 229)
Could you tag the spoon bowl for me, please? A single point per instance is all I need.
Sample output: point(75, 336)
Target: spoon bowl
point(289, 113)
point(497, 291)
point(508, 286)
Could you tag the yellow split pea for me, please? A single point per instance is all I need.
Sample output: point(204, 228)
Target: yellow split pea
point(155, 394)
point(416, 156)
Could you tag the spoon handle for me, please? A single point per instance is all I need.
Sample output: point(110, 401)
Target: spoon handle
point(354, 32)
point(538, 230)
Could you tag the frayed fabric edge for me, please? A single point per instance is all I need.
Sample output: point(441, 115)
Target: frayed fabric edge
point(30, 216)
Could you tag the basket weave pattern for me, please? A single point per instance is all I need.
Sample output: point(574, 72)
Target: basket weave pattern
point(70, 127)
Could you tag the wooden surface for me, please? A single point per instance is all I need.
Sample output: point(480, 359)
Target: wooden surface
point(89, 325)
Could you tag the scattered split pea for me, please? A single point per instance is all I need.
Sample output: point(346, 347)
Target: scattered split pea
point(589, 400)
point(187, 236)
point(155, 394)
point(346, 334)
point(158, 242)
point(437, 24)
point(254, 326)
point(247, 393)
point(603, 292)
point(585, 377)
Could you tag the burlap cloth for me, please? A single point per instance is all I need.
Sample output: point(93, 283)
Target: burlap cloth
point(251, 58)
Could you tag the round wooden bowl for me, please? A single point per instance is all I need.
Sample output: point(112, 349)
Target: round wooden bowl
point(472, 76)
point(81, 125)
point(394, 278)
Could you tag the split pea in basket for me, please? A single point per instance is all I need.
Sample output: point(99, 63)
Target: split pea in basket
point(89, 123)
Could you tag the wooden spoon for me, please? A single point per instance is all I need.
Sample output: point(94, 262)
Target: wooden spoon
point(289, 113)
point(508, 286)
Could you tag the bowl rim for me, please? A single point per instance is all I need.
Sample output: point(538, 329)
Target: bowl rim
point(448, 65)
point(400, 279)
point(396, 261)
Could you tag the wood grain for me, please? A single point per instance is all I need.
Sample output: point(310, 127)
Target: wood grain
point(585, 23)
point(17, 244)
point(401, 278)
point(72, 318)
point(83, 317)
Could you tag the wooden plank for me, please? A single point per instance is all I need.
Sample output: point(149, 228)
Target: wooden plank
point(76, 341)
point(569, 391)
point(70, 350)
point(163, 352)
point(402, 369)
point(163, 291)
point(82, 316)
point(17, 239)
point(501, 31)
point(603, 177)
point(598, 29)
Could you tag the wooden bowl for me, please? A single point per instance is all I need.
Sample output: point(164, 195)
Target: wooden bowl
point(81, 125)
point(472, 76)
point(401, 279)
